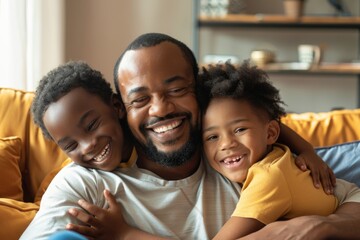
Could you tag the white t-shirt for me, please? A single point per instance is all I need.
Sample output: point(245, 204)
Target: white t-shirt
point(192, 208)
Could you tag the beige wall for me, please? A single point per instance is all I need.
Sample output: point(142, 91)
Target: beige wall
point(98, 31)
point(53, 34)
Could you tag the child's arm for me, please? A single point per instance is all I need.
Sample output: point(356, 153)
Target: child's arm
point(237, 227)
point(105, 223)
point(308, 159)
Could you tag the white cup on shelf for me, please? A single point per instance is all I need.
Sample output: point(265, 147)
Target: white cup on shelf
point(214, 8)
point(309, 53)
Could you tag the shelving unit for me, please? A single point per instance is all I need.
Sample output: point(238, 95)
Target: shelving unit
point(282, 21)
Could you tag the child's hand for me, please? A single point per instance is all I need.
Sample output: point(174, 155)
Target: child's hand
point(102, 223)
point(319, 170)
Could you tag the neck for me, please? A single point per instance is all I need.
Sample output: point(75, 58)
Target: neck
point(170, 173)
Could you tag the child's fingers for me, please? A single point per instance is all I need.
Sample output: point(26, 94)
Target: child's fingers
point(91, 208)
point(84, 217)
point(110, 199)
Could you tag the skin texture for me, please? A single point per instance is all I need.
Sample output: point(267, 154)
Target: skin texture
point(87, 129)
point(161, 108)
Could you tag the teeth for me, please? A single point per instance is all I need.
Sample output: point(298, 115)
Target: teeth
point(103, 154)
point(232, 160)
point(165, 128)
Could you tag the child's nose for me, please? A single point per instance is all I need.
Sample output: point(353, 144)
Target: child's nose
point(227, 142)
point(87, 146)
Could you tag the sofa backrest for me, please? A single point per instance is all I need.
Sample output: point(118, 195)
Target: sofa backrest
point(326, 128)
point(39, 156)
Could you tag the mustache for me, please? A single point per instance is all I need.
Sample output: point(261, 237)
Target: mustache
point(167, 117)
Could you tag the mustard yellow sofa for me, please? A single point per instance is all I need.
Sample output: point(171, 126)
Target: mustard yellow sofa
point(28, 161)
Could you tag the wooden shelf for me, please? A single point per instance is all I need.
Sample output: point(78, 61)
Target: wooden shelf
point(238, 21)
point(279, 21)
point(324, 68)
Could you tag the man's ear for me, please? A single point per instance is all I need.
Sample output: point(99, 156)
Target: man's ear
point(273, 132)
point(118, 105)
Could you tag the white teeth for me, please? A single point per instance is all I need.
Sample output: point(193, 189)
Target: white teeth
point(165, 128)
point(232, 160)
point(103, 154)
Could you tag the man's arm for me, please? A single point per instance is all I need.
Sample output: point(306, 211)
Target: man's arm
point(308, 159)
point(343, 224)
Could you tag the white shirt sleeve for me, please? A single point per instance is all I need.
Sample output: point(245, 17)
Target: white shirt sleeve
point(347, 192)
point(69, 185)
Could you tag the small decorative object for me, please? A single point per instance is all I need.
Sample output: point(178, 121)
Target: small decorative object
point(309, 54)
point(262, 57)
point(294, 8)
point(214, 8)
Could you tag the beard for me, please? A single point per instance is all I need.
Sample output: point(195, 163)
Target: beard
point(175, 158)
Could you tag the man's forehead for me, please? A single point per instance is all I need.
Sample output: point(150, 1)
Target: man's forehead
point(164, 52)
point(164, 61)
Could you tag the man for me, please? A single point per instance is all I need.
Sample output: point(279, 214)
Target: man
point(170, 192)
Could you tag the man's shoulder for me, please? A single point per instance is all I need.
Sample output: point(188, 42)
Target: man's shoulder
point(215, 179)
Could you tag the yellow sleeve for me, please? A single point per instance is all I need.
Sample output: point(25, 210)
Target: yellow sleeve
point(265, 195)
point(275, 188)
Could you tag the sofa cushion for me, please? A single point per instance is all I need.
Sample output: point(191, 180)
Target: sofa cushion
point(15, 216)
point(40, 155)
point(10, 175)
point(327, 128)
point(47, 180)
point(344, 159)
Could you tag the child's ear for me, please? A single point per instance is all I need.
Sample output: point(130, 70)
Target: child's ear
point(118, 105)
point(273, 132)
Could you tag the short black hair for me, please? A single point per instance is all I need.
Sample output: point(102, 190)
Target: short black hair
point(243, 82)
point(61, 81)
point(153, 39)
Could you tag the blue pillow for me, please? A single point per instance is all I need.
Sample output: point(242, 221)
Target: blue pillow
point(344, 159)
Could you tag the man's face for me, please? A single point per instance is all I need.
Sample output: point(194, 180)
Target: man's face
point(157, 87)
point(86, 129)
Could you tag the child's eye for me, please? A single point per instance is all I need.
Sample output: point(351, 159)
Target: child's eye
point(93, 125)
point(70, 147)
point(240, 130)
point(211, 138)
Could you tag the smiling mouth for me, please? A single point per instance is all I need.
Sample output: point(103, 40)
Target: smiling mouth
point(231, 160)
point(165, 128)
point(104, 153)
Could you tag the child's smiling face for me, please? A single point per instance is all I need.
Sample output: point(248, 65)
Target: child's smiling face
point(235, 136)
point(87, 129)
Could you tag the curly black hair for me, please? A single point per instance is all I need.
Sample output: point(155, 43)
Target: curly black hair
point(61, 81)
point(244, 82)
point(152, 39)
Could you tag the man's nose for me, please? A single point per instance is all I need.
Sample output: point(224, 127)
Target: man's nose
point(161, 106)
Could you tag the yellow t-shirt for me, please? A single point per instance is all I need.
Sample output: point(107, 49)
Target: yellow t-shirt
point(275, 188)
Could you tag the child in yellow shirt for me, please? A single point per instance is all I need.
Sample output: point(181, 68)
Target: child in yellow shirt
point(241, 113)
